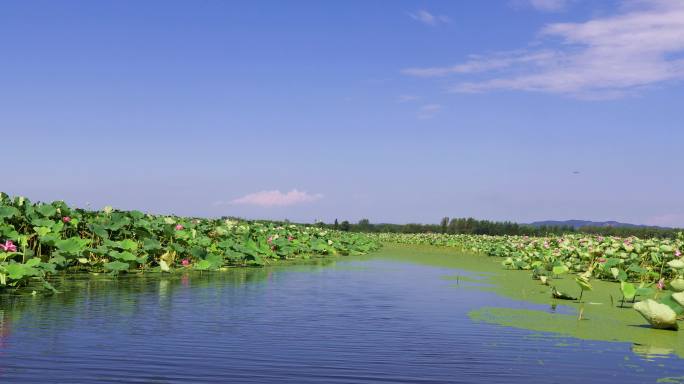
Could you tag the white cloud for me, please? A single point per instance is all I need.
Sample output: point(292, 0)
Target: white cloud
point(429, 111)
point(549, 5)
point(428, 18)
point(276, 198)
point(606, 57)
point(406, 98)
point(478, 63)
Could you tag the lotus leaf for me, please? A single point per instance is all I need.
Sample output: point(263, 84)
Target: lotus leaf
point(628, 290)
point(660, 316)
point(8, 212)
point(679, 298)
point(203, 265)
point(128, 245)
point(125, 256)
point(116, 266)
point(46, 210)
point(677, 284)
point(72, 245)
point(560, 269)
point(560, 295)
point(151, 245)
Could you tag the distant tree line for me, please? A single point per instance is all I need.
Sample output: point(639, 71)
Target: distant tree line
point(486, 227)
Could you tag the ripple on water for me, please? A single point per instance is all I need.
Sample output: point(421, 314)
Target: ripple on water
point(369, 321)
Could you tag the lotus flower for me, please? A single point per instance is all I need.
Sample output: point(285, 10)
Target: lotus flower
point(602, 260)
point(290, 238)
point(8, 246)
point(678, 253)
point(185, 262)
point(661, 284)
point(270, 240)
point(179, 227)
point(66, 219)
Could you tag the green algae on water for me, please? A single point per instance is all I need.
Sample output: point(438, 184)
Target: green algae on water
point(648, 341)
point(605, 318)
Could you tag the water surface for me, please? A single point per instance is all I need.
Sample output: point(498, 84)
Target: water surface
point(354, 320)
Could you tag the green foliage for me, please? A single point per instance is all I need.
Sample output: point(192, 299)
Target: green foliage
point(628, 290)
point(640, 265)
point(118, 241)
point(72, 246)
point(607, 258)
point(116, 266)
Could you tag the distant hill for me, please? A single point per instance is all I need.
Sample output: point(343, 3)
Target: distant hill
point(587, 223)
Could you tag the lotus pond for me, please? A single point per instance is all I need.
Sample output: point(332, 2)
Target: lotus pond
point(127, 296)
point(650, 271)
point(39, 241)
point(412, 314)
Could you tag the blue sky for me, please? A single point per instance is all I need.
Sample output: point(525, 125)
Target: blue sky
point(402, 111)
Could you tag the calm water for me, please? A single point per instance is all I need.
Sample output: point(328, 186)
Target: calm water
point(352, 321)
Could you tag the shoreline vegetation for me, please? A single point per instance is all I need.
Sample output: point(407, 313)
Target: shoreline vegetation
point(645, 269)
point(41, 240)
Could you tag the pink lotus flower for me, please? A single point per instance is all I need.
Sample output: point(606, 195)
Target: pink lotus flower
point(678, 253)
point(602, 260)
point(661, 284)
point(66, 219)
point(8, 246)
point(270, 240)
point(185, 262)
point(179, 227)
point(290, 238)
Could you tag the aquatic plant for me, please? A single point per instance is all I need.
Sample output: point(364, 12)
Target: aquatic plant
point(560, 295)
point(659, 315)
point(41, 239)
point(640, 266)
point(583, 281)
point(606, 258)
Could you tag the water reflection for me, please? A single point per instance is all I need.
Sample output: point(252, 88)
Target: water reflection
point(385, 322)
point(5, 323)
point(652, 351)
point(124, 293)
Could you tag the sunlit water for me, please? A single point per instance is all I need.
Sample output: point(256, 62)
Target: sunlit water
point(352, 321)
